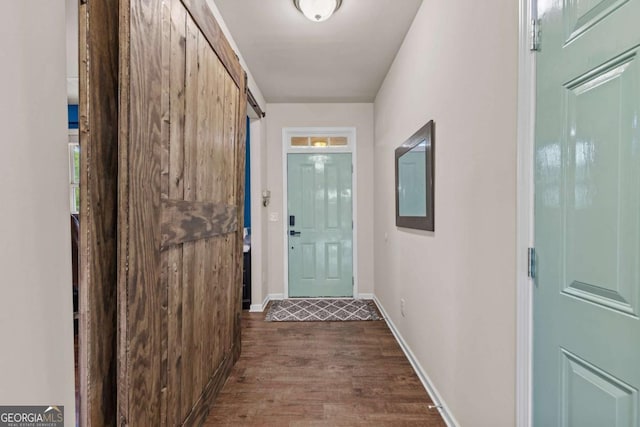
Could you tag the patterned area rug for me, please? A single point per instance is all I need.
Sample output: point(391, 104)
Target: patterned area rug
point(318, 310)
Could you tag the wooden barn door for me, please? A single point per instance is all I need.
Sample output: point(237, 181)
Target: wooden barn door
point(181, 177)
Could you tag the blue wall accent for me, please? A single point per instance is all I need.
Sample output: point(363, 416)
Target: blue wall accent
point(247, 182)
point(73, 116)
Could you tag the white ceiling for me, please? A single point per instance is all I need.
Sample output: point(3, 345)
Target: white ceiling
point(344, 59)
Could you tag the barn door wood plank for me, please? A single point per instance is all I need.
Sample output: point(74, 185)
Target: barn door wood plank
point(218, 163)
point(176, 191)
point(240, 177)
point(213, 316)
point(200, 245)
point(123, 213)
point(229, 138)
point(188, 260)
point(144, 295)
point(165, 155)
point(215, 353)
point(209, 302)
point(98, 215)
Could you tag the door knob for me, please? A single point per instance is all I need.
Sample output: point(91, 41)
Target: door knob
point(294, 233)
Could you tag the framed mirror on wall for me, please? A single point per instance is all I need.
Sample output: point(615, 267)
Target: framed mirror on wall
point(415, 180)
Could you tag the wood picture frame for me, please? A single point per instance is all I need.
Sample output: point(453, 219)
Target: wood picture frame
point(415, 180)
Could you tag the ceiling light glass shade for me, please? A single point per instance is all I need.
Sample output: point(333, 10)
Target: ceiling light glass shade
point(317, 10)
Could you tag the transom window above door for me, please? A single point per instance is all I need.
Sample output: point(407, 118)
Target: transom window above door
point(319, 141)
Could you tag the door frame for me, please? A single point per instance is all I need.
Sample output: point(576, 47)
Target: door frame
point(525, 213)
point(350, 133)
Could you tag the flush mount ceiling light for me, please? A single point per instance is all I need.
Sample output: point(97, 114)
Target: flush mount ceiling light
point(317, 10)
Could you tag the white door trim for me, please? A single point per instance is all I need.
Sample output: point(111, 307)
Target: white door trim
point(525, 215)
point(350, 133)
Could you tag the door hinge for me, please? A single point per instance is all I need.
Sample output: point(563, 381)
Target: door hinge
point(536, 33)
point(531, 262)
point(353, 282)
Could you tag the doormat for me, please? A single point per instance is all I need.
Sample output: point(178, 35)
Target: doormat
point(322, 310)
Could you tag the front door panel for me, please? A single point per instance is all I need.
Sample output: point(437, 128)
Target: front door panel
point(587, 215)
point(320, 226)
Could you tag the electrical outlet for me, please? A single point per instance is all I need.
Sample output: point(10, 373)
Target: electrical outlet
point(402, 307)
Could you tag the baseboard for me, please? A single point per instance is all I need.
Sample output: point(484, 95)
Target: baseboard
point(422, 375)
point(256, 308)
point(365, 296)
point(259, 308)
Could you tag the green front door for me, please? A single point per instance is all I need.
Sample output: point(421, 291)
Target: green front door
point(320, 231)
point(587, 215)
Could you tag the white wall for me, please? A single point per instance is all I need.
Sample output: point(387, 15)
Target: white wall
point(73, 42)
point(258, 153)
point(458, 66)
point(359, 116)
point(36, 313)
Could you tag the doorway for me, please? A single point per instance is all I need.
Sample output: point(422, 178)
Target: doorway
point(320, 225)
point(319, 195)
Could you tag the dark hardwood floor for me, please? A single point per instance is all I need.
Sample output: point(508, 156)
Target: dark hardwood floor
point(321, 374)
point(76, 369)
